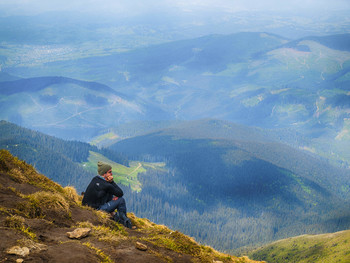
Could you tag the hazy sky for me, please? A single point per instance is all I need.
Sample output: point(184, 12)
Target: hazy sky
point(132, 7)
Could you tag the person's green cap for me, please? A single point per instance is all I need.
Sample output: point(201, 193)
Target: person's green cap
point(103, 168)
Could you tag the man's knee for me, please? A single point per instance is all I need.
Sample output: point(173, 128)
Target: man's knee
point(120, 201)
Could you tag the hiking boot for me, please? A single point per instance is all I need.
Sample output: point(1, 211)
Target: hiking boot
point(116, 218)
point(123, 219)
point(127, 223)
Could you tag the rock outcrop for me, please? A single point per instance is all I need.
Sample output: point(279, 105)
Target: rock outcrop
point(79, 233)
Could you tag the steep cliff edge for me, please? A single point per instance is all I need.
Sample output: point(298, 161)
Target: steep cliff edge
point(39, 220)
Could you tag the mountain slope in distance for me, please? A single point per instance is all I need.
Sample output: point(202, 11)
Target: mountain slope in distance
point(255, 142)
point(253, 78)
point(330, 247)
point(256, 79)
point(65, 107)
point(146, 65)
point(60, 160)
point(257, 183)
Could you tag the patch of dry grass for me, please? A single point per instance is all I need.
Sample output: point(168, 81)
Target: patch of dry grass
point(42, 203)
point(71, 193)
point(162, 236)
point(21, 172)
point(103, 257)
point(18, 222)
point(112, 233)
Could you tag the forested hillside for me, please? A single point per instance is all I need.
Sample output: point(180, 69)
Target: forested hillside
point(235, 193)
point(225, 192)
point(60, 160)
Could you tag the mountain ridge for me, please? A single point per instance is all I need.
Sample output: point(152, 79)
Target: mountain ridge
point(39, 83)
point(338, 42)
point(254, 79)
point(251, 139)
point(68, 107)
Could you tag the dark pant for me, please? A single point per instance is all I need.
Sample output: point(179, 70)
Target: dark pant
point(112, 205)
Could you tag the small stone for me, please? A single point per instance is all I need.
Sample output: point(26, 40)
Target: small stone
point(38, 247)
point(33, 246)
point(19, 260)
point(19, 251)
point(141, 246)
point(79, 233)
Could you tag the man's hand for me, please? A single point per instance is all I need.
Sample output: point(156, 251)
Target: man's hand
point(109, 178)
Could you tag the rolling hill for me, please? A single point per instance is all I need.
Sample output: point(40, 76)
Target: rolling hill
point(330, 247)
point(256, 143)
point(256, 79)
point(237, 185)
point(148, 65)
point(64, 107)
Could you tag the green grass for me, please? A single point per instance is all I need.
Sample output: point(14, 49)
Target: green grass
point(345, 77)
point(293, 113)
point(334, 247)
point(344, 134)
point(238, 90)
point(320, 59)
point(232, 70)
point(122, 174)
point(253, 101)
point(105, 139)
point(297, 180)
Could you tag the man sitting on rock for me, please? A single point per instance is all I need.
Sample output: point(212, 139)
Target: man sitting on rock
point(104, 194)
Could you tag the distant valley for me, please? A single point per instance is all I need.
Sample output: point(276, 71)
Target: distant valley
point(235, 137)
point(66, 107)
point(256, 79)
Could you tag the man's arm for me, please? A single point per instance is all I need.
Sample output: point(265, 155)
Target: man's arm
point(113, 188)
point(117, 191)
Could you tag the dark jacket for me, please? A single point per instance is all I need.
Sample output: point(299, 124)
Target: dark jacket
point(99, 192)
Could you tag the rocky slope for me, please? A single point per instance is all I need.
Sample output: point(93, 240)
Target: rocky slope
point(39, 220)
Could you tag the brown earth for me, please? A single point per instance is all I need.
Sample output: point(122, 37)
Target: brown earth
point(42, 225)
